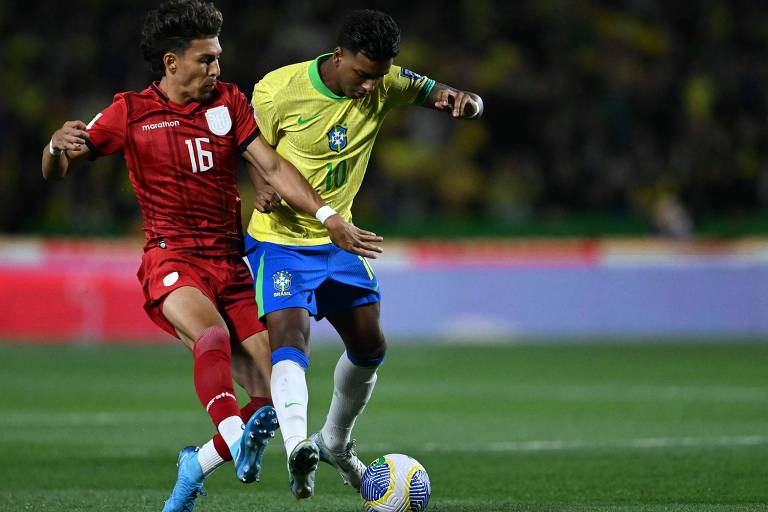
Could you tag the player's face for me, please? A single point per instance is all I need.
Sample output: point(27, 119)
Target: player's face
point(357, 74)
point(197, 68)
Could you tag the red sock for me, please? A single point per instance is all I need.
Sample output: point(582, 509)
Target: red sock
point(256, 403)
point(213, 376)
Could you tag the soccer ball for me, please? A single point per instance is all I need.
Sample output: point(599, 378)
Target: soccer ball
point(395, 483)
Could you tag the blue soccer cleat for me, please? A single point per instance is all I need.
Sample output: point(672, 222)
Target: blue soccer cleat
point(189, 482)
point(256, 434)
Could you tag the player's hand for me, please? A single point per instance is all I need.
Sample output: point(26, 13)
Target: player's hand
point(351, 238)
point(70, 137)
point(267, 199)
point(456, 103)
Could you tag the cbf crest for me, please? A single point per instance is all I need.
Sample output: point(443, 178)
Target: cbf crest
point(282, 283)
point(218, 119)
point(337, 138)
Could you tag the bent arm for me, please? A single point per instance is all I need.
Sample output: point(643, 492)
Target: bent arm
point(267, 166)
point(459, 104)
point(66, 150)
point(282, 176)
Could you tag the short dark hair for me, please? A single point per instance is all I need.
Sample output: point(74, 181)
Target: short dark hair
point(172, 26)
point(373, 33)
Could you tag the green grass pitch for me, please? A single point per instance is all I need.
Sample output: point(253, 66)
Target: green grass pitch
point(554, 427)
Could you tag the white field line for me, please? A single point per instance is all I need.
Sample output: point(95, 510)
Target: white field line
point(581, 392)
point(574, 445)
point(105, 419)
point(635, 393)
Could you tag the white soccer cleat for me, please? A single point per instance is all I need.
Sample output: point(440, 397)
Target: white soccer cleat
point(345, 461)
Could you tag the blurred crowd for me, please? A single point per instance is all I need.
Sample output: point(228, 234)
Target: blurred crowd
point(642, 113)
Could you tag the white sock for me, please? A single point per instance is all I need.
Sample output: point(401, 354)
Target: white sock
point(290, 396)
point(231, 429)
point(352, 387)
point(209, 458)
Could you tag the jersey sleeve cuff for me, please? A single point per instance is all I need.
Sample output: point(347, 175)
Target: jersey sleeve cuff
point(247, 142)
point(424, 93)
point(93, 153)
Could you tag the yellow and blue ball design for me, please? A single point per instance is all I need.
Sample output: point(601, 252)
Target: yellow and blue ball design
point(395, 483)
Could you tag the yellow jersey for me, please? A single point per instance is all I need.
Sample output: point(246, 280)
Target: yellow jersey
point(328, 138)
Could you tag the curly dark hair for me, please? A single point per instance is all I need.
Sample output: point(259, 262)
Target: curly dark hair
point(173, 25)
point(373, 33)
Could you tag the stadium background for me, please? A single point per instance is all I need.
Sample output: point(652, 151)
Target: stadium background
point(594, 247)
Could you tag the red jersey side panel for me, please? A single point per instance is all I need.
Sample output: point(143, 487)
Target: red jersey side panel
point(182, 162)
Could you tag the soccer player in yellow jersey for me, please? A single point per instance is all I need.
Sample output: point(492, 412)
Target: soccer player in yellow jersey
point(323, 117)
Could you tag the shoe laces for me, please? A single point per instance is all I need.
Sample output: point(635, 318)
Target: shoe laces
point(190, 504)
point(349, 455)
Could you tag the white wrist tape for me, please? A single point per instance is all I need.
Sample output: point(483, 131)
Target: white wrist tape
point(479, 111)
point(323, 213)
point(53, 151)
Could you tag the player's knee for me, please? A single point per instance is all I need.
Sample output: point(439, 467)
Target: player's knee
point(370, 355)
point(212, 339)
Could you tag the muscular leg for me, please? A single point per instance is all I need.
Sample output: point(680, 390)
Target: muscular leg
point(360, 330)
point(201, 328)
point(355, 374)
point(289, 339)
point(251, 365)
point(190, 312)
point(249, 360)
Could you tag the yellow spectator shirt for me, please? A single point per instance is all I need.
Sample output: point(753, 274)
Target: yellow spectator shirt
point(328, 138)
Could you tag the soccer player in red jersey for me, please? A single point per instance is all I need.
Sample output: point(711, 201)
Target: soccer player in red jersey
point(181, 138)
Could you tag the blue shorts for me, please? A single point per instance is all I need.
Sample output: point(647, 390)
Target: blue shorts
point(322, 279)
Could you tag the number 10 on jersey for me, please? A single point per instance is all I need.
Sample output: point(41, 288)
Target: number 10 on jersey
point(201, 159)
point(337, 176)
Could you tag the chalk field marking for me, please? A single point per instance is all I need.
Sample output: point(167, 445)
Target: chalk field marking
point(555, 445)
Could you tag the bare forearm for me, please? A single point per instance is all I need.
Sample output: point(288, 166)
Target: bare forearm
point(54, 167)
point(293, 187)
point(257, 180)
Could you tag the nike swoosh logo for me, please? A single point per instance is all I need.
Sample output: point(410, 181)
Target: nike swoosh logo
point(302, 121)
point(291, 404)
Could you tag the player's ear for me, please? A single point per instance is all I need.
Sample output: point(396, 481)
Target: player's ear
point(338, 53)
point(169, 60)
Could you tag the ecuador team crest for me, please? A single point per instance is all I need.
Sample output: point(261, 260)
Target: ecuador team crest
point(282, 282)
point(337, 138)
point(218, 119)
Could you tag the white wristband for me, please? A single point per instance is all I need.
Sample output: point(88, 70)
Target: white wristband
point(53, 151)
point(323, 213)
point(479, 111)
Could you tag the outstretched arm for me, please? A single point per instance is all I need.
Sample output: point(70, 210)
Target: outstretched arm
point(66, 149)
point(264, 164)
point(458, 104)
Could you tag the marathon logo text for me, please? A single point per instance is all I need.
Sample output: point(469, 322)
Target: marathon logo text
point(163, 124)
point(218, 397)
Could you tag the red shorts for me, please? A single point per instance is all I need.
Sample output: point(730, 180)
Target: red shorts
point(226, 281)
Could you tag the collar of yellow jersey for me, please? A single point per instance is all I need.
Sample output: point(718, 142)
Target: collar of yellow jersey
point(317, 82)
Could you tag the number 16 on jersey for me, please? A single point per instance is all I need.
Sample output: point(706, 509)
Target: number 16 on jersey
point(201, 159)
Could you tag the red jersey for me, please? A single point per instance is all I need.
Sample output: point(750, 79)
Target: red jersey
point(183, 164)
